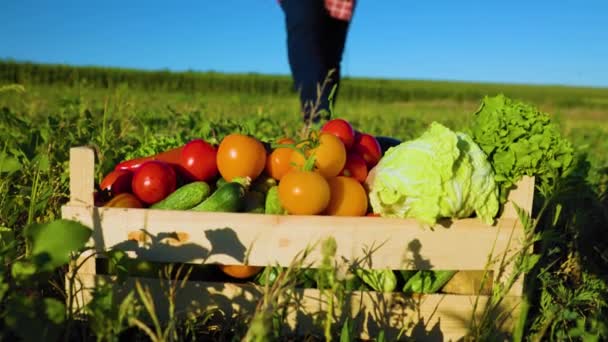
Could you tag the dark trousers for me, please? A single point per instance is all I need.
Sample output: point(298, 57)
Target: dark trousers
point(315, 43)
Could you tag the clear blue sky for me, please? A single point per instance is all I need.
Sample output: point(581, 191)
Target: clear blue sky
point(534, 41)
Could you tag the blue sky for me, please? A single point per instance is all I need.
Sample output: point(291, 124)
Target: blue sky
point(540, 41)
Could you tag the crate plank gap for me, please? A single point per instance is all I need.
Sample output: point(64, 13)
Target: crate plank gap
point(226, 238)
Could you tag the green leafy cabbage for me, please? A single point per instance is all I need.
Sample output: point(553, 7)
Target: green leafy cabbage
point(440, 174)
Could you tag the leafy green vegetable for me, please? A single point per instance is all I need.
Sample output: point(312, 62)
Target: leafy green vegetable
point(425, 281)
point(379, 280)
point(154, 145)
point(519, 140)
point(440, 174)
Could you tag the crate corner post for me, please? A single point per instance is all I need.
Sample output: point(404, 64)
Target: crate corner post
point(82, 177)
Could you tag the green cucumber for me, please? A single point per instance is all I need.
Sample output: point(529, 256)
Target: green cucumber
point(263, 184)
point(229, 197)
point(245, 181)
point(185, 197)
point(273, 203)
point(254, 202)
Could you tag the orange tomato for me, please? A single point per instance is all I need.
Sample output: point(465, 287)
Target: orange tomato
point(124, 200)
point(304, 192)
point(279, 160)
point(239, 155)
point(330, 155)
point(347, 197)
point(240, 272)
point(285, 141)
point(297, 160)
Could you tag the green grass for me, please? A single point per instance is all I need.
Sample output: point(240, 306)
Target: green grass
point(40, 124)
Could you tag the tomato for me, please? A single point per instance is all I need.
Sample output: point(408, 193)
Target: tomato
point(240, 272)
point(330, 155)
point(240, 156)
point(368, 147)
point(285, 141)
point(278, 163)
point(198, 160)
point(117, 182)
point(172, 156)
point(124, 200)
point(297, 158)
point(347, 197)
point(304, 192)
point(153, 181)
point(355, 167)
point(342, 129)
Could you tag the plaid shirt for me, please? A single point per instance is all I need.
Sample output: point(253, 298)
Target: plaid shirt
point(339, 9)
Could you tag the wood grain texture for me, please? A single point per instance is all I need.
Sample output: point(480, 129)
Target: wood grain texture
point(82, 176)
point(227, 238)
point(444, 317)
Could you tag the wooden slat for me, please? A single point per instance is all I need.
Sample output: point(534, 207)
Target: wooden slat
point(522, 195)
point(445, 317)
point(198, 237)
point(82, 176)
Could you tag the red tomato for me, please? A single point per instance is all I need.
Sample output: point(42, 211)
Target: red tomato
point(368, 147)
point(198, 160)
point(355, 167)
point(117, 182)
point(342, 129)
point(153, 181)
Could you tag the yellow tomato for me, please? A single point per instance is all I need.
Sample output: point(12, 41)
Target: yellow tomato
point(304, 192)
point(279, 162)
point(124, 200)
point(239, 155)
point(347, 197)
point(330, 155)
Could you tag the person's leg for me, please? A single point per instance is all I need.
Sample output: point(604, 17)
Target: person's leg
point(333, 45)
point(305, 21)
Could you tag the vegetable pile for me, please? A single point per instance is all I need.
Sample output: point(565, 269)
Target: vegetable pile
point(340, 171)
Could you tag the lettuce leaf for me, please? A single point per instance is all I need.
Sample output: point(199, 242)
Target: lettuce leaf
point(519, 140)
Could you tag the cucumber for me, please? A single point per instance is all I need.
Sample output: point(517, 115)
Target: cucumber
point(185, 197)
point(254, 202)
point(229, 197)
point(273, 203)
point(220, 181)
point(263, 184)
point(245, 181)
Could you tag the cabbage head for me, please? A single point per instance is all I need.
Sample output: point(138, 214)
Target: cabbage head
point(442, 174)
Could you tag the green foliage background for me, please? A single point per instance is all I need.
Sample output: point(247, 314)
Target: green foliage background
point(123, 113)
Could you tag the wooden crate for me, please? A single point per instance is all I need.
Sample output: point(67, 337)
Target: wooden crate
point(229, 238)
